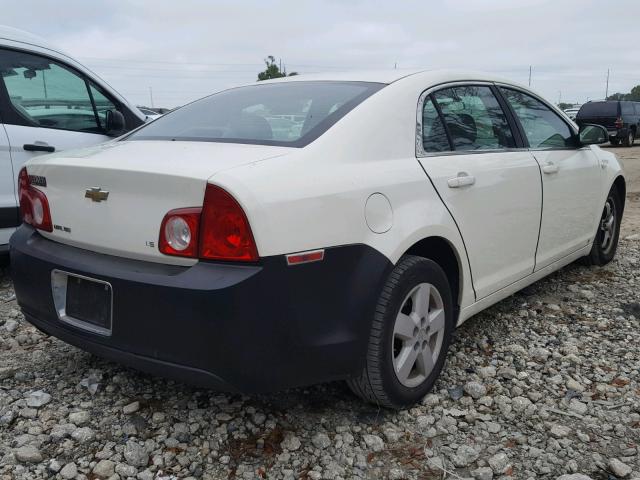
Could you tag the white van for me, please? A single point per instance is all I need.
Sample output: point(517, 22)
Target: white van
point(48, 102)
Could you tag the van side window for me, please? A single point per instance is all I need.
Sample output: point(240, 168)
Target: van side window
point(44, 93)
point(474, 118)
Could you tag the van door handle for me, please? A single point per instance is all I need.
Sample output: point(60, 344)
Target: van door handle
point(38, 147)
point(463, 179)
point(550, 167)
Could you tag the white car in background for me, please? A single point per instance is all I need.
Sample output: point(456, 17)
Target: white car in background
point(572, 112)
point(312, 228)
point(48, 102)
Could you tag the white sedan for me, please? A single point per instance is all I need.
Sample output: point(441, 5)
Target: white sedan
point(312, 228)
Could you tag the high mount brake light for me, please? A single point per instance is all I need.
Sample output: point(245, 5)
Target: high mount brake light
point(34, 207)
point(217, 231)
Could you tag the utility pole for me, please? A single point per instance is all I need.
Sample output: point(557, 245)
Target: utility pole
point(606, 92)
point(395, 66)
point(151, 96)
point(529, 75)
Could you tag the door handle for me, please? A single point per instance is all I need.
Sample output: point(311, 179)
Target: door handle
point(550, 167)
point(38, 147)
point(463, 179)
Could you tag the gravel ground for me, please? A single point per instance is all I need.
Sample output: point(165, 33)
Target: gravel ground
point(544, 384)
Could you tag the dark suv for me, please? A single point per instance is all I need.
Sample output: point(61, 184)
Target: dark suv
point(620, 118)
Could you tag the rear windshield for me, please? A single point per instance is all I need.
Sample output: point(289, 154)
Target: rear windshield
point(287, 114)
point(599, 109)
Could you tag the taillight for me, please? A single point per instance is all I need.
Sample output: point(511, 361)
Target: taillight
point(619, 122)
point(225, 233)
point(179, 232)
point(218, 231)
point(34, 206)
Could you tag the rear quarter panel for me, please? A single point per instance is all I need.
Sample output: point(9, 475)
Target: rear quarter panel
point(315, 197)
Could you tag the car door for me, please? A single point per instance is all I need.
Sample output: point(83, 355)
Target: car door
point(491, 188)
point(8, 204)
point(47, 106)
point(571, 183)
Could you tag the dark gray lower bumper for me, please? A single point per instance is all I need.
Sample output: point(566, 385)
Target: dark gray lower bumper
point(248, 328)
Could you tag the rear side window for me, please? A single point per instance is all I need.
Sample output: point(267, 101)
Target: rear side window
point(542, 126)
point(598, 109)
point(434, 136)
point(474, 118)
point(287, 114)
point(44, 93)
point(627, 108)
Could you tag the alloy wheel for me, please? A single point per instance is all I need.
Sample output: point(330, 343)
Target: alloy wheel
point(608, 226)
point(418, 333)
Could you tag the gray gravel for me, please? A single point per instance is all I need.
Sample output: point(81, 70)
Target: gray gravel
point(545, 384)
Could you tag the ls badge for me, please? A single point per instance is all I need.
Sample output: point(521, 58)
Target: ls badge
point(96, 194)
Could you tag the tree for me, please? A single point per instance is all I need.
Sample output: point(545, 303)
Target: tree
point(272, 70)
point(634, 95)
point(564, 105)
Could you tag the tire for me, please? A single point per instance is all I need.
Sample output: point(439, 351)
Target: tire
point(606, 242)
point(614, 141)
point(400, 323)
point(628, 139)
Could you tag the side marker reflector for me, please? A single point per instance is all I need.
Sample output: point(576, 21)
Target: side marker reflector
point(305, 257)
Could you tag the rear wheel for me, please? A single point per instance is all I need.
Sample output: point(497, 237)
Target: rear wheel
point(410, 335)
point(628, 140)
point(606, 242)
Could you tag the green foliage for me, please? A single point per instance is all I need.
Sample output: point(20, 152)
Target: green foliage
point(272, 70)
point(564, 105)
point(634, 95)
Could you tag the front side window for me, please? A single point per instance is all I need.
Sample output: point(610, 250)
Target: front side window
point(44, 93)
point(474, 118)
point(542, 126)
point(287, 114)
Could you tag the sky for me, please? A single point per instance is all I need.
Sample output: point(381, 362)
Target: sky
point(178, 51)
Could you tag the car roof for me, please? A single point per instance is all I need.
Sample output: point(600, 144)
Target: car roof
point(433, 76)
point(17, 35)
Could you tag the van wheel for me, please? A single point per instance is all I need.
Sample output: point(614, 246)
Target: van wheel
point(410, 335)
point(606, 242)
point(628, 140)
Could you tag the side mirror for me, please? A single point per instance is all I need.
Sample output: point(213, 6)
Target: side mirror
point(115, 124)
point(593, 134)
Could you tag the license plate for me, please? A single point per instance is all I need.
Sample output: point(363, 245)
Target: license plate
point(83, 302)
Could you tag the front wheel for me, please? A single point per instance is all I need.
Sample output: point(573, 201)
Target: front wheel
point(628, 140)
point(606, 242)
point(410, 335)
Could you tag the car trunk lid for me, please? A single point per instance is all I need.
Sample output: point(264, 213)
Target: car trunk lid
point(112, 198)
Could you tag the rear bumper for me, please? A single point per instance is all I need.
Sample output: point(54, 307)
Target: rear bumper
point(245, 328)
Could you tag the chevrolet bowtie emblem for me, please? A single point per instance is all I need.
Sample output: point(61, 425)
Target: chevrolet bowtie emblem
point(96, 194)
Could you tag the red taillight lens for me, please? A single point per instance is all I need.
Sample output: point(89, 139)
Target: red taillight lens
point(619, 122)
point(179, 232)
point(34, 206)
point(217, 231)
point(225, 232)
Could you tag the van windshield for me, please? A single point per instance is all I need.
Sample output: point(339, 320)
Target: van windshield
point(598, 109)
point(286, 114)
